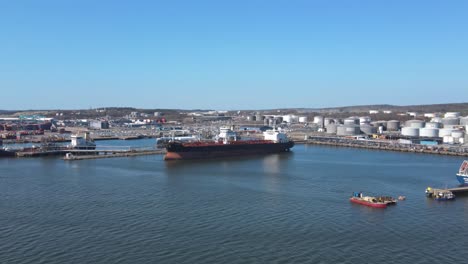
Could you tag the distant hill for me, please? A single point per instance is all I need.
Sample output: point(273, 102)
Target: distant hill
point(342, 111)
point(455, 107)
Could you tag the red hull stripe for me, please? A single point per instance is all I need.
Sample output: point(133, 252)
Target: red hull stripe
point(376, 205)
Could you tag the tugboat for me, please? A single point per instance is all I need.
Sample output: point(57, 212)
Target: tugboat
point(376, 202)
point(462, 175)
point(439, 194)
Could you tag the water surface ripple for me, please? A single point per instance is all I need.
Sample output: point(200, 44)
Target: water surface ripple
point(286, 208)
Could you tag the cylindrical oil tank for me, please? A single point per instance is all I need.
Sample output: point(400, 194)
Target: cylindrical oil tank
point(327, 121)
point(433, 125)
point(318, 120)
point(364, 119)
point(288, 118)
point(259, 117)
point(303, 119)
point(266, 121)
point(429, 132)
point(452, 115)
point(464, 121)
point(382, 123)
point(368, 129)
point(457, 134)
point(436, 119)
point(415, 123)
point(377, 123)
point(393, 125)
point(447, 140)
point(450, 122)
point(410, 131)
point(331, 128)
point(251, 118)
point(348, 130)
point(351, 121)
point(443, 132)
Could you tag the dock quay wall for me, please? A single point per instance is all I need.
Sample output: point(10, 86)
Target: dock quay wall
point(388, 145)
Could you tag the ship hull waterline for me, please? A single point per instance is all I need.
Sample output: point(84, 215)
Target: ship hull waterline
point(463, 179)
point(370, 204)
point(225, 151)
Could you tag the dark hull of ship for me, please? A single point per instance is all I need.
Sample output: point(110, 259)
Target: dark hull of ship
point(5, 153)
point(177, 151)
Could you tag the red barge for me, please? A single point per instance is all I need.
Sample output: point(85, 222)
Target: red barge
point(228, 145)
point(376, 202)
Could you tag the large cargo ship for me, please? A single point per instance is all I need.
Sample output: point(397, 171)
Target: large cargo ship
point(462, 175)
point(227, 144)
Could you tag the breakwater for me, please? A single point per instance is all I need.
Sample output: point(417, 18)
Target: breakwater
point(388, 145)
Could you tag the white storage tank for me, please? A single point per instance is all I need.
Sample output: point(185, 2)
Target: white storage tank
point(443, 132)
point(433, 125)
point(452, 115)
point(464, 121)
point(288, 118)
point(450, 122)
point(328, 121)
point(415, 123)
point(364, 120)
point(351, 121)
point(429, 132)
point(303, 119)
point(437, 119)
point(331, 128)
point(447, 140)
point(318, 120)
point(393, 125)
point(348, 130)
point(368, 129)
point(457, 134)
point(410, 131)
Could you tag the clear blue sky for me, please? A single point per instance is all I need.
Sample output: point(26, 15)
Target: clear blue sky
point(231, 54)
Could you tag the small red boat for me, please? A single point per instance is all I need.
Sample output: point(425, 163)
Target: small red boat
point(376, 202)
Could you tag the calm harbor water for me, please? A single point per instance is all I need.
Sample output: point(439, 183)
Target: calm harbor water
point(282, 208)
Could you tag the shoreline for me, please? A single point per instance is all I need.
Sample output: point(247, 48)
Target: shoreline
point(387, 146)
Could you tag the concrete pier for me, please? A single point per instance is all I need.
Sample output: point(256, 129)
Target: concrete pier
point(386, 145)
point(112, 154)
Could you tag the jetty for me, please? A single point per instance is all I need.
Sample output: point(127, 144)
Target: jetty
point(93, 154)
point(97, 153)
point(460, 189)
point(386, 145)
point(442, 193)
